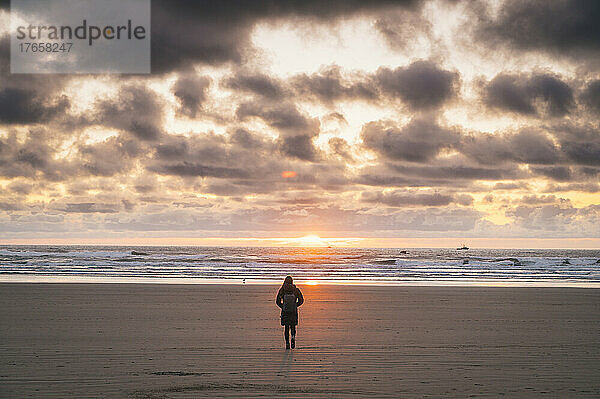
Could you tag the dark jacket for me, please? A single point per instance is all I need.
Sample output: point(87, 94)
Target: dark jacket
point(289, 318)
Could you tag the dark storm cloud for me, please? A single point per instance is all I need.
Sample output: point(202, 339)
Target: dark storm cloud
point(579, 142)
point(135, 109)
point(418, 141)
point(523, 93)
point(257, 83)
point(583, 187)
point(90, 207)
point(210, 148)
point(11, 206)
point(208, 155)
point(296, 130)
point(33, 157)
point(329, 85)
point(213, 32)
point(587, 171)
point(526, 146)
point(110, 157)
point(20, 188)
point(284, 117)
point(557, 26)
point(190, 90)
point(24, 106)
point(383, 179)
point(422, 85)
point(402, 27)
point(5, 57)
point(186, 169)
point(450, 174)
point(582, 153)
point(247, 140)
point(401, 198)
point(300, 146)
point(591, 96)
point(558, 173)
point(445, 175)
point(239, 162)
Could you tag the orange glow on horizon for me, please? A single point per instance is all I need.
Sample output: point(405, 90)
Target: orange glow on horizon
point(337, 242)
point(311, 240)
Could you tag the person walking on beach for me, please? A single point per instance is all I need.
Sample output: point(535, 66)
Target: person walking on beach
point(289, 298)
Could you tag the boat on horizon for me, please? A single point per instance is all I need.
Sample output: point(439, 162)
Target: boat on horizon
point(463, 248)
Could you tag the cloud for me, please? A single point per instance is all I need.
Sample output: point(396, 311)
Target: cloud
point(511, 186)
point(215, 32)
point(541, 199)
point(199, 170)
point(555, 26)
point(591, 96)
point(284, 117)
point(91, 207)
point(403, 27)
point(257, 83)
point(240, 162)
point(402, 198)
point(582, 153)
point(582, 187)
point(422, 85)
point(580, 142)
point(135, 109)
point(296, 131)
point(418, 141)
point(329, 85)
point(451, 174)
point(24, 106)
point(300, 146)
point(190, 90)
point(557, 217)
point(110, 157)
point(341, 148)
point(534, 94)
point(178, 154)
point(525, 146)
point(20, 188)
point(32, 157)
point(416, 167)
point(559, 173)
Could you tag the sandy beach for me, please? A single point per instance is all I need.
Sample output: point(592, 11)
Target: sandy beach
point(190, 341)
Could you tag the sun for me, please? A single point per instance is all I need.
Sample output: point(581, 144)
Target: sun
point(311, 240)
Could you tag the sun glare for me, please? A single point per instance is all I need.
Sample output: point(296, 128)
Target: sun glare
point(311, 240)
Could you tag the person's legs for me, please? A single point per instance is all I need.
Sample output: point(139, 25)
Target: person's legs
point(293, 328)
point(286, 333)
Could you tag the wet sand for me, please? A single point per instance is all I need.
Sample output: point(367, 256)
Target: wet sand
point(190, 341)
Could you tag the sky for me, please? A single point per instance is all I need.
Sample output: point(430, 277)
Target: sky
point(380, 123)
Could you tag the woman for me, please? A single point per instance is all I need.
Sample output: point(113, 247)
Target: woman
point(289, 298)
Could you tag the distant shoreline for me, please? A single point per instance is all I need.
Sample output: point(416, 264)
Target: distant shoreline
point(16, 279)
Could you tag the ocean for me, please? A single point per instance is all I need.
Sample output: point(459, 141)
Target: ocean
point(390, 266)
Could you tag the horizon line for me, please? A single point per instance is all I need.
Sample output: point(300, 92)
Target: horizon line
point(333, 242)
